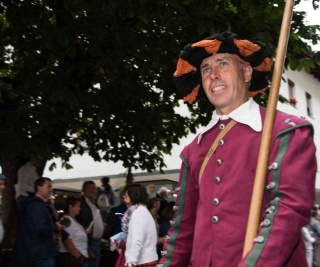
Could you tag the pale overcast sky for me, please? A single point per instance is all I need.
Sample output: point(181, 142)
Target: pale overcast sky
point(313, 16)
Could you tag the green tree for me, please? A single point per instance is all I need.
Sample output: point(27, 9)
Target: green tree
point(102, 71)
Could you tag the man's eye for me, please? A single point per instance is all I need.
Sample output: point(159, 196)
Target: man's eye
point(205, 70)
point(223, 64)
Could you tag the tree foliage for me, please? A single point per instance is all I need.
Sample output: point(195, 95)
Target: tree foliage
point(102, 70)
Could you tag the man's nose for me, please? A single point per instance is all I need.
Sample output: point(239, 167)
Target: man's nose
point(214, 74)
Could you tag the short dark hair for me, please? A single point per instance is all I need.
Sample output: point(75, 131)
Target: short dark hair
point(168, 212)
point(40, 182)
point(152, 202)
point(105, 180)
point(137, 193)
point(314, 213)
point(86, 183)
point(71, 200)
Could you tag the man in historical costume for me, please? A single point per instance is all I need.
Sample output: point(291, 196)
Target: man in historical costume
point(219, 165)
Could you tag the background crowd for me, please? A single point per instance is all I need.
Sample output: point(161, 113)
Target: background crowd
point(74, 237)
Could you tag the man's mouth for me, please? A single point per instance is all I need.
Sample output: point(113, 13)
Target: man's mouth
point(218, 88)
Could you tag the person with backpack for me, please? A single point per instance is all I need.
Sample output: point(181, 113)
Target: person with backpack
point(106, 198)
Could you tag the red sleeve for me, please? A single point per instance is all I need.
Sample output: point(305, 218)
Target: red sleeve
point(290, 189)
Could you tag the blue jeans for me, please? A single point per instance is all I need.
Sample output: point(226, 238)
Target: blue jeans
point(95, 246)
point(44, 263)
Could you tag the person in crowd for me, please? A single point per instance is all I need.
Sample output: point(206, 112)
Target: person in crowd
point(50, 203)
point(308, 242)
point(139, 224)
point(35, 244)
point(24, 188)
point(106, 188)
point(314, 229)
point(165, 221)
point(91, 220)
point(219, 165)
point(114, 223)
point(316, 208)
point(129, 180)
point(105, 198)
point(114, 218)
point(55, 217)
point(73, 250)
point(2, 187)
point(162, 195)
point(154, 207)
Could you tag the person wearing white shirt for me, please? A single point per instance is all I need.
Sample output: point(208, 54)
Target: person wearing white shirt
point(74, 246)
point(138, 222)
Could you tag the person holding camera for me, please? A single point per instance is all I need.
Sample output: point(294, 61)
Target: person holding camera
point(74, 243)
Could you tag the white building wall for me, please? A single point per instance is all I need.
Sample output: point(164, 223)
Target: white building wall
point(303, 83)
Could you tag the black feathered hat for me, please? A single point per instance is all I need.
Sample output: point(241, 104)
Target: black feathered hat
point(187, 76)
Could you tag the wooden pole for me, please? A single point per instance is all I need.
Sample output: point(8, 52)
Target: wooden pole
point(262, 165)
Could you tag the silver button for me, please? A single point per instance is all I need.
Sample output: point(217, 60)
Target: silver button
point(273, 166)
point(259, 239)
point(221, 142)
point(266, 222)
point(216, 201)
point(215, 219)
point(271, 185)
point(270, 209)
point(221, 126)
point(217, 180)
point(218, 162)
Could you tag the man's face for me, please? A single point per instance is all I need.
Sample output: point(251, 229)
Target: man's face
point(90, 191)
point(224, 81)
point(45, 190)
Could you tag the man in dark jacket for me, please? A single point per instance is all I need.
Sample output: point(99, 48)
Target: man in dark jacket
point(35, 244)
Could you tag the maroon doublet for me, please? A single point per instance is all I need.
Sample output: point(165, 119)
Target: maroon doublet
point(210, 222)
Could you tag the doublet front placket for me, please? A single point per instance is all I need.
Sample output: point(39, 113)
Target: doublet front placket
point(217, 179)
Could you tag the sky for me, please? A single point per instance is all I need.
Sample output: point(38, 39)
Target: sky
point(313, 16)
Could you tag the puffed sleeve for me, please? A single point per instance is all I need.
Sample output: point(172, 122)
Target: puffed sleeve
point(290, 190)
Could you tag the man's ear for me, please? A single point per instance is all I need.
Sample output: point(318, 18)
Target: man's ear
point(247, 72)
